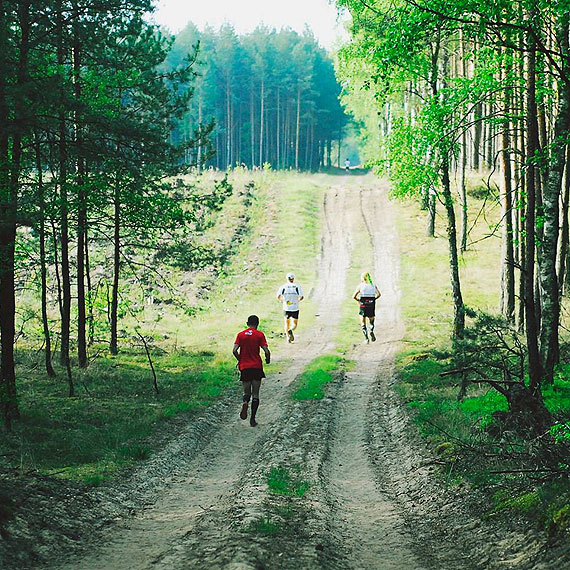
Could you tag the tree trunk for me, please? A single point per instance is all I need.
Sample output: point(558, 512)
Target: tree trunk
point(564, 232)
point(43, 268)
point(228, 123)
point(278, 130)
point(261, 120)
point(430, 218)
point(90, 316)
point(458, 306)
point(550, 302)
point(252, 124)
point(81, 211)
point(298, 127)
point(535, 367)
point(463, 192)
point(199, 151)
point(508, 270)
point(64, 235)
point(477, 131)
point(9, 183)
point(116, 268)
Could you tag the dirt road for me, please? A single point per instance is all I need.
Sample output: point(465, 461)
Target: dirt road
point(370, 503)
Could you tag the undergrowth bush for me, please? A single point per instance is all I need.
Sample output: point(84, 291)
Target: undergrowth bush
point(468, 422)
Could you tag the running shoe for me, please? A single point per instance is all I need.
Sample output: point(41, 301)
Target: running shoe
point(243, 413)
point(290, 335)
point(372, 336)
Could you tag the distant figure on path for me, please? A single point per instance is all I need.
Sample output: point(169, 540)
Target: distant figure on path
point(290, 294)
point(347, 164)
point(366, 294)
point(246, 350)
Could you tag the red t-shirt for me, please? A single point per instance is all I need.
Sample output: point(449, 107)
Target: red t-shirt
point(250, 341)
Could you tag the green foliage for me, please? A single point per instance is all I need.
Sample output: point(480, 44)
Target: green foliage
point(557, 395)
point(409, 169)
point(548, 505)
point(282, 481)
point(560, 432)
point(491, 350)
point(527, 503)
point(318, 373)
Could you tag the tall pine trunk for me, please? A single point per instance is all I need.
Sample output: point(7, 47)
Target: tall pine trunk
point(10, 164)
point(261, 119)
point(43, 265)
point(81, 210)
point(64, 220)
point(114, 349)
point(278, 129)
point(297, 132)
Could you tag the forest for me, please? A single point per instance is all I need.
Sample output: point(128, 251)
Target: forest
point(478, 87)
point(155, 188)
point(273, 97)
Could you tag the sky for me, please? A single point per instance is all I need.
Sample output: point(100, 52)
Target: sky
point(246, 15)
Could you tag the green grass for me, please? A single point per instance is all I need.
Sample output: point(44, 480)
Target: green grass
point(548, 505)
point(319, 372)
point(264, 525)
point(282, 481)
point(277, 244)
point(427, 307)
point(106, 425)
point(460, 432)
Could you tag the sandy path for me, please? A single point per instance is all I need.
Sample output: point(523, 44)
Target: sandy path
point(214, 477)
point(372, 526)
point(373, 502)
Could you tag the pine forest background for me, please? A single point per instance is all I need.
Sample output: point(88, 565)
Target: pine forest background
point(273, 98)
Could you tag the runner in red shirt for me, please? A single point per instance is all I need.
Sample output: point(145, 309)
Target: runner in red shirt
point(246, 350)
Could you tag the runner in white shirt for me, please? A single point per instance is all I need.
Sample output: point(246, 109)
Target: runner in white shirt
point(366, 294)
point(290, 294)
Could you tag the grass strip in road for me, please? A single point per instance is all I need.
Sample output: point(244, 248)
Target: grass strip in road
point(319, 372)
point(282, 481)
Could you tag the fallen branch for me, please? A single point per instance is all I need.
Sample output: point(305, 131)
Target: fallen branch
point(509, 471)
point(155, 383)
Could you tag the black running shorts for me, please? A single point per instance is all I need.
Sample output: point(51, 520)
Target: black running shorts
point(293, 314)
point(249, 374)
point(367, 307)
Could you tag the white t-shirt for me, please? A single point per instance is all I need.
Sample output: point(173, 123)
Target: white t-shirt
point(367, 290)
point(290, 293)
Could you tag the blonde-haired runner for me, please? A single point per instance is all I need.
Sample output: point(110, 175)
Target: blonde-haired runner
point(366, 294)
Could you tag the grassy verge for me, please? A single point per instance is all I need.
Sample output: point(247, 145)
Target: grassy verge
point(112, 420)
point(282, 481)
point(461, 433)
point(108, 425)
